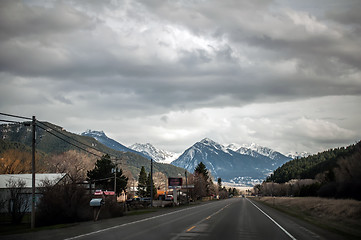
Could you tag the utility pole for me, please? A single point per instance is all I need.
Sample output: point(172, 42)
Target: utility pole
point(115, 183)
point(33, 175)
point(151, 182)
point(115, 179)
point(185, 172)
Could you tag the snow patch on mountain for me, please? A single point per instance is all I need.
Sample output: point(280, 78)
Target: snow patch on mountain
point(241, 164)
point(295, 155)
point(95, 134)
point(156, 154)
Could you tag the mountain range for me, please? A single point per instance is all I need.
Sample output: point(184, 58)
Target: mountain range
point(238, 164)
point(146, 150)
point(244, 165)
point(52, 140)
point(104, 139)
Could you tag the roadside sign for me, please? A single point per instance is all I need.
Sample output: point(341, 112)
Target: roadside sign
point(174, 182)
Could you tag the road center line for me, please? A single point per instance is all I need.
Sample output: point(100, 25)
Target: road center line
point(190, 229)
point(126, 224)
point(201, 221)
point(284, 230)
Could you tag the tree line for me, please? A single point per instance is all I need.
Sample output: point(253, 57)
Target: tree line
point(334, 173)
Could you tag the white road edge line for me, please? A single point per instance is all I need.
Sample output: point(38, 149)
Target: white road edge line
point(292, 237)
point(125, 224)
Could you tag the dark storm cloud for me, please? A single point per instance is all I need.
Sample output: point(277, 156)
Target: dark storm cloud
point(58, 42)
point(139, 59)
point(347, 16)
point(18, 19)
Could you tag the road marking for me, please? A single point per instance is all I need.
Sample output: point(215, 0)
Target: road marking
point(186, 232)
point(190, 229)
point(126, 224)
point(284, 230)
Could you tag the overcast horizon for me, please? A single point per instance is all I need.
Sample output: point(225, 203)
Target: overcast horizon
point(282, 74)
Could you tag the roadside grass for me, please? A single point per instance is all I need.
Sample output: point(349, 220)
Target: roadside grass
point(342, 216)
point(140, 211)
point(7, 228)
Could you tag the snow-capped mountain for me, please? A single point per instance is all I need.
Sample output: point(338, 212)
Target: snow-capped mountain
point(295, 155)
point(244, 165)
point(254, 150)
point(253, 147)
point(156, 154)
point(102, 138)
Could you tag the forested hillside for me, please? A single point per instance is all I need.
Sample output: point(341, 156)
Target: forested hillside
point(309, 167)
point(337, 172)
point(15, 151)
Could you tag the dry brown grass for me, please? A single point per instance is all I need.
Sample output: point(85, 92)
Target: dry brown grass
point(340, 215)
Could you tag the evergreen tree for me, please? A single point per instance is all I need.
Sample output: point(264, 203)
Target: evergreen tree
point(219, 184)
point(122, 181)
point(148, 190)
point(201, 169)
point(103, 175)
point(235, 192)
point(202, 181)
point(142, 183)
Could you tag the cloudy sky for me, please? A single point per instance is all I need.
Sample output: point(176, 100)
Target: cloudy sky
point(283, 74)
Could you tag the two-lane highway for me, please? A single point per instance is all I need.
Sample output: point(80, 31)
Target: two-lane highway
point(237, 218)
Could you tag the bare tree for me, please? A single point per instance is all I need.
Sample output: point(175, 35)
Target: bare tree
point(160, 180)
point(200, 185)
point(18, 200)
point(349, 168)
point(72, 162)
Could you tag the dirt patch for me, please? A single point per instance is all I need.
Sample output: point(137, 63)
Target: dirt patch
point(338, 215)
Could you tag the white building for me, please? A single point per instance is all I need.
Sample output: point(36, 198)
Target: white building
point(40, 179)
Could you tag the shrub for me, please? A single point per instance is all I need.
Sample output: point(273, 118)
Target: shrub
point(63, 203)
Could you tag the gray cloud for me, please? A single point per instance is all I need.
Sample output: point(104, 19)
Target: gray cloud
point(152, 59)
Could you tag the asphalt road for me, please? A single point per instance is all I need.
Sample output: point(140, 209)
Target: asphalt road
point(236, 218)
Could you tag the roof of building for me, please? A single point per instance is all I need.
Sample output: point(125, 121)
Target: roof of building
point(27, 178)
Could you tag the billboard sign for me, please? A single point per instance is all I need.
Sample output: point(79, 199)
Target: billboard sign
point(174, 182)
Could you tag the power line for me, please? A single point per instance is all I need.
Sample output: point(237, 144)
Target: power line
point(59, 132)
point(69, 142)
point(73, 139)
point(9, 121)
point(15, 116)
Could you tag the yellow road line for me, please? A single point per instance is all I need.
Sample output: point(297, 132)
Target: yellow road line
point(207, 218)
point(190, 229)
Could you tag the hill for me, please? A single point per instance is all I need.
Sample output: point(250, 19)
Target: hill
point(311, 166)
point(19, 136)
point(337, 172)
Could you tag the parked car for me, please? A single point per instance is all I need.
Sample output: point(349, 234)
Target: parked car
point(98, 193)
point(169, 198)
